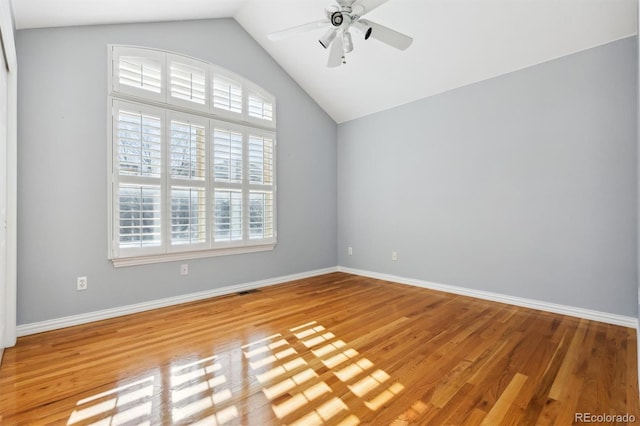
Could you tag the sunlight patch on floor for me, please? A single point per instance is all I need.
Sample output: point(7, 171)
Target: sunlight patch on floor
point(353, 370)
point(324, 413)
point(327, 349)
point(297, 385)
point(273, 358)
point(292, 392)
point(280, 370)
point(286, 385)
point(385, 396)
point(198, 387)
point(122, 404)
point(301, 399)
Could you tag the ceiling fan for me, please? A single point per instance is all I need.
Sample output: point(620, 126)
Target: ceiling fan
point(341, 19)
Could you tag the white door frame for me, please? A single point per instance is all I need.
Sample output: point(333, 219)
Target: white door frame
point(8, 282)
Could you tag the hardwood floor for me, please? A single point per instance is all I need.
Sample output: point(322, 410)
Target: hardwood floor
point(334, 349)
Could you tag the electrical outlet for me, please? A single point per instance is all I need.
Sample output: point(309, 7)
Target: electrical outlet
point(350, 250)
point(394, 255)
point(184, 269)
point(82, 283)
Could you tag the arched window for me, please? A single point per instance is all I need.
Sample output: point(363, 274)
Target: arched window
point(192, 159)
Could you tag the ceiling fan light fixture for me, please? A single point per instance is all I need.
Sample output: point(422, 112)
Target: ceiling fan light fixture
point(347, 43)
point(363, 28)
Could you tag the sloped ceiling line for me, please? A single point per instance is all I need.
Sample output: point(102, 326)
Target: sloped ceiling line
point(456, 42)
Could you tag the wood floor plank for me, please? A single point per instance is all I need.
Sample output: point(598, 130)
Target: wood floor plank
point(502, 405)
point(336, 349)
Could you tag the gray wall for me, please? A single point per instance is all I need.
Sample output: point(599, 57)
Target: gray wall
point(62, 138)
point(522, 185)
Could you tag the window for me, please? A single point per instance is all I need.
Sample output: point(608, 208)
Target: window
point(193, 149)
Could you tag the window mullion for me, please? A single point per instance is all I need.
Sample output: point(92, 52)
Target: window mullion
point(245, 186)
point(209, 183)
point(138, 180)
point(166, 184)
point(188, 183)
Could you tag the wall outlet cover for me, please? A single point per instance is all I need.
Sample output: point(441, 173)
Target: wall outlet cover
point(82, 283)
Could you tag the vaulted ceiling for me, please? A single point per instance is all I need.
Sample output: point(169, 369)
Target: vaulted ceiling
point(456, 42)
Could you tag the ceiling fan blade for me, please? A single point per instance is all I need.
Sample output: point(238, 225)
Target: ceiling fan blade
point(361, 7)
point(343, 3)
point(327, 38)
point(279, 35)
point(388, 36)
point(336, 52)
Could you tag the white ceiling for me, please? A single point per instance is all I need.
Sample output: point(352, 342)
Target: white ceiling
point(456, 42)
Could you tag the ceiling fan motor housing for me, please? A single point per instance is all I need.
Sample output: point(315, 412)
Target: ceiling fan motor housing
point(337, 18)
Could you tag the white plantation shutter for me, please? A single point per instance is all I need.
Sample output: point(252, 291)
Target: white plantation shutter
point(188, 216)
point(228, 215)
point(188, 175)
point(227, 94)
point(142, 73)
point(181, 81)
point(139, 143)
point(260, 214)
point(139, 216)
point(228, 171)
point(227, 154)
point(260, 159)
point(261, 188)
point(259, 107)
point(137, 133)
point(187, 83)
point(188, 150)
point(186, 184)
point(139, 72)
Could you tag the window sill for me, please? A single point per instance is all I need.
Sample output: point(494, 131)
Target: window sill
point(171, 257)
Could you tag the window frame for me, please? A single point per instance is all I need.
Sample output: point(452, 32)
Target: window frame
point(171, 109)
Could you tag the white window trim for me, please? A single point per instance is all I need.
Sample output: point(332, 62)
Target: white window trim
point(188, 255)
point(168, 108)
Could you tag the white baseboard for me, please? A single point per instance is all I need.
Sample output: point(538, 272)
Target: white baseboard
point(39, 327)
point(605, 317)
